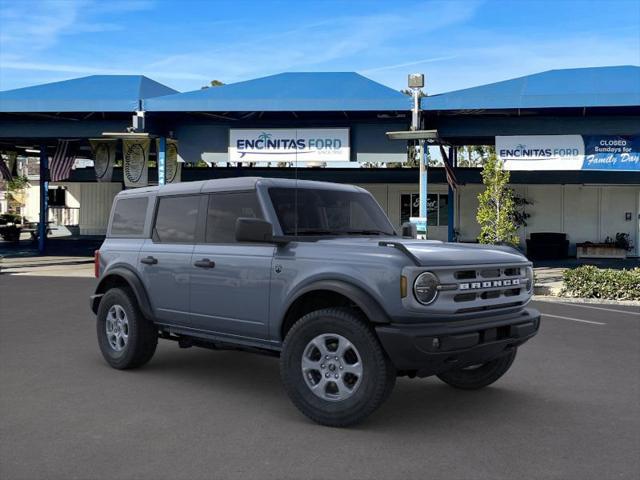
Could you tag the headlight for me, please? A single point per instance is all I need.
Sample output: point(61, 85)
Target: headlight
point(529, 279)
point(425, 288)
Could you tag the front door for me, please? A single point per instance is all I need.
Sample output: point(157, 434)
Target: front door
point(165, 259)
point(230, 281)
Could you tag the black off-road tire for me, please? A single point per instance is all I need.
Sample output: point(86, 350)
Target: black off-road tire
point(479, 377)
point(142, 333)
point(378, 377)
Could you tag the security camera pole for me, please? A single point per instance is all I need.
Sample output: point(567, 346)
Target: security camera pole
point(416, 83)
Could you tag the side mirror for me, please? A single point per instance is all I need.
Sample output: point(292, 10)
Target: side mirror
point(253, 230)
point(409, 230)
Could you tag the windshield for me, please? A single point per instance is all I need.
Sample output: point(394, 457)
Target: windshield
point(328, 212)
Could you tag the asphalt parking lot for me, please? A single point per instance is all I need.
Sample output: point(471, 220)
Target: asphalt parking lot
point(568, 409)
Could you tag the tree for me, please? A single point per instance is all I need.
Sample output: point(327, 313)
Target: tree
point(474, 155)
point(497, 208)
point(213, 83)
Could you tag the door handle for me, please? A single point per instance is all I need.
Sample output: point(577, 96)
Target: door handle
point(149, 260)
point(204, 263)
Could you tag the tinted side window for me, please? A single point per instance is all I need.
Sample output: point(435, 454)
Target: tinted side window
point(176, 219)
point(129, 215)
point(224, 209)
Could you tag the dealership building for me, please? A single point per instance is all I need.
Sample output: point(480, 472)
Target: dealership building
point(571, 139)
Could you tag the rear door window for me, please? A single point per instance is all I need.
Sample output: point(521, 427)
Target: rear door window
point(223, 211)
point(128, 216)
point(176, 219)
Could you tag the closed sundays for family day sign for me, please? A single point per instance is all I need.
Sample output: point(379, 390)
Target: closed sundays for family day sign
point(569, 152)
point(289, 145)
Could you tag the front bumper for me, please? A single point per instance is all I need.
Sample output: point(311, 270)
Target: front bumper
point(428, 349)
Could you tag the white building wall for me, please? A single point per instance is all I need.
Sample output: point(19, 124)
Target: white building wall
point(583, 212)
point(95, 205)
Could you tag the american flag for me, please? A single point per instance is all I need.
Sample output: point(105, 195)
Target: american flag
point(448, 169)
point(4, 170)
point(62, 160)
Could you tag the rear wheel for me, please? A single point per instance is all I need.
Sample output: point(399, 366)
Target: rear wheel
point(478, 376)
point(334, 369)
point(126, 338)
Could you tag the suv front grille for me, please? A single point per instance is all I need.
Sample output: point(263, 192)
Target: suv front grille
point(482, 288)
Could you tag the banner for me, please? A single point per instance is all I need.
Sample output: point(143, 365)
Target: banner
point(172, 162)
point(541, 152)
point(610, 152)
point(104, 157)
point(289, 145)
point(569, 152)
point(135, 154)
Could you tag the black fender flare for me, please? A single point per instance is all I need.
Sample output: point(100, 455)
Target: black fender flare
point(363, 300)
point(134, 282)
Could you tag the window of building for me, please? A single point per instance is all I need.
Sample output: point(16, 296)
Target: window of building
point(437, 211)
point(128, 216)
point(57, 197)
point(176, 219)
point(223, 211)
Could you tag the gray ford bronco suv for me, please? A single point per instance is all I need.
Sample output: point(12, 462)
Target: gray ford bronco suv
point(313, 273)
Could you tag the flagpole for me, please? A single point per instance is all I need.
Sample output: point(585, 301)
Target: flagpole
point(44, 199)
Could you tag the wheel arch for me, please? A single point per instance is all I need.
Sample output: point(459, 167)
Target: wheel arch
point(121, 276)
point(330, 293)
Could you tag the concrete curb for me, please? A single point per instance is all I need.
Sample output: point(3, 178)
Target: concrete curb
point(597, 301)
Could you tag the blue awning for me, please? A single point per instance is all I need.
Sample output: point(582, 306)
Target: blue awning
point(96, 93)
point(577, 87)
point(288, 92)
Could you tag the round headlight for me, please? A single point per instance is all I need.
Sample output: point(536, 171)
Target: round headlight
point(425, 288)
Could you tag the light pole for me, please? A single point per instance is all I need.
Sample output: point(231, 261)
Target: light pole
point(416, 83)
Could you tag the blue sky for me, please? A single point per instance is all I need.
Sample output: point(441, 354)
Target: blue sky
point(184, 44)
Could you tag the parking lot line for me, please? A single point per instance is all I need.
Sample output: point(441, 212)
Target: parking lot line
point(573, 319)
point(602, 308)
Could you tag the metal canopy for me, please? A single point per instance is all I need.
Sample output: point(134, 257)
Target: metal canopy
point(617, 86)
point(288, 92)
point(96, 93)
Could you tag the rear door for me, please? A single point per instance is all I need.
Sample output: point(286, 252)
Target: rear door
point(230, 281)
point(165, 258)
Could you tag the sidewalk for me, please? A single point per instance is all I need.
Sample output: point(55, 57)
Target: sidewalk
point(48, 266)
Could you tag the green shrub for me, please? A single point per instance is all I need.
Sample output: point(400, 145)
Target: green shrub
point(592, 282)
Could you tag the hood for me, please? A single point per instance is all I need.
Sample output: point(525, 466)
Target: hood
point(443, 254)
point(435, 253)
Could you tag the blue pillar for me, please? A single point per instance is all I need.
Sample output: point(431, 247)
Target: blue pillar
point(44, 199)
point(453, 154)
point(162, 160)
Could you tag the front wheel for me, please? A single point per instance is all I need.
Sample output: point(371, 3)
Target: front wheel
point(334, 369)
point(475, 377)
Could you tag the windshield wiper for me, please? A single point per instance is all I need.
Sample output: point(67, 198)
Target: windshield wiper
point(367, 232)
point(313, 231)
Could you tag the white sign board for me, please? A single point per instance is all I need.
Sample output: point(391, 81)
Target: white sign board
point(541, 152)
point(289, 145)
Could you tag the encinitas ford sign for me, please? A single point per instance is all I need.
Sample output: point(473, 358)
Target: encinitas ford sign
point(289, 145)
point(569, 152)
point(541, 152)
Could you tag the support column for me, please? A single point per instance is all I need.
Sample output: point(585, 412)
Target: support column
point(162, 160)
point(453, 154)
point(423, 186)
point(44, 199)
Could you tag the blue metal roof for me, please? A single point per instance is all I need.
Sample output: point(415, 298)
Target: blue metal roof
point(577, 87)
point(297, 92)
point(96, 93)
